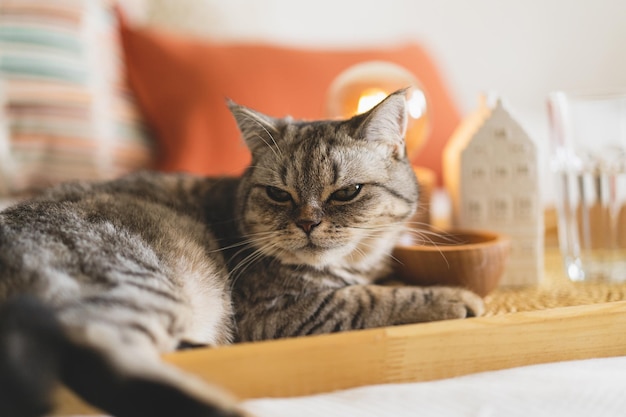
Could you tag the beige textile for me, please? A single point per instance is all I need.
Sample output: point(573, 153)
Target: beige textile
point(556, 290)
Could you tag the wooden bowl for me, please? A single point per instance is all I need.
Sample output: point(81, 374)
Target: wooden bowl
point(472, 259)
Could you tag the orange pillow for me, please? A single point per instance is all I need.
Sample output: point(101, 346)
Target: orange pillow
point(181, 85)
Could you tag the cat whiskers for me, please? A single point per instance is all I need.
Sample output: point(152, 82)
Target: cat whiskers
point(373, 236)
point(359, 251)
point(390, 255)
point(419, 232)
point(424, 231)
point(273, 171)
point(241, 267)
point(251, 238)
point(423, 235)
point(261, 248)
point(250, 260)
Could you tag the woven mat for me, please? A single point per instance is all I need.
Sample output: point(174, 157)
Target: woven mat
point(555, 291)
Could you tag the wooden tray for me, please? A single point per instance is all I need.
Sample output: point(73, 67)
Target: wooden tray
point(421, 352)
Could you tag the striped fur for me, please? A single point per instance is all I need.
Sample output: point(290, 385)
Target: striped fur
point(144, 264)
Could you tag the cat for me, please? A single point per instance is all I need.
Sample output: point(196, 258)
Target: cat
point(98, 279)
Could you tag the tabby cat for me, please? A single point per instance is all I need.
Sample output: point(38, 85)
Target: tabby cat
point(98, 279)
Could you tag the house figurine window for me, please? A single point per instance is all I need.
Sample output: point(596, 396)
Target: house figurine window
point(475, 210)
point(522, 170)
point(478, 173)
point(518, 148)
point(501, 133)
point(500, 172)
point(500, 209)
point(524, 208)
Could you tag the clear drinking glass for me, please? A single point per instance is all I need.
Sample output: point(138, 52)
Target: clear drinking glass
point(589, 161)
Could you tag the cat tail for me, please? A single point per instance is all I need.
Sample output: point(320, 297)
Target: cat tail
point(30, 349)
point(36, 354)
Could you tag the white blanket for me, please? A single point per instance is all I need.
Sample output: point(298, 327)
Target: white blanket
point(595, 387)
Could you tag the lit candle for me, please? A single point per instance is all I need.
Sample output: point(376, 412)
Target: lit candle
point(370, 98)
point(361, 87)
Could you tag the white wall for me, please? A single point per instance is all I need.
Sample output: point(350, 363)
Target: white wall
point(521, 49)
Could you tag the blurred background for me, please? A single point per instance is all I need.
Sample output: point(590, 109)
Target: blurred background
point(521, 50)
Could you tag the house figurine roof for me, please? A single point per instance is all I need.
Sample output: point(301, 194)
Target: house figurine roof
point(491, 173)
point(464, 133)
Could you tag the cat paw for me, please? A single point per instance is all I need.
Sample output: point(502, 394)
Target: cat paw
point(474, 304)
point(455, 303)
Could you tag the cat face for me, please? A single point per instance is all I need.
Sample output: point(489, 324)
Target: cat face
point(330, 192)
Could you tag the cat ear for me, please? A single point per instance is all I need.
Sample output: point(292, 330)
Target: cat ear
point(386, 122)
point(257, 129)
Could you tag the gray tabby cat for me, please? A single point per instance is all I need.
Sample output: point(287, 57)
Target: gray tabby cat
point(98, 279)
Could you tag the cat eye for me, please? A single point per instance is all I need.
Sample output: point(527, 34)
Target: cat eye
point(278, 195)
point(347, 193)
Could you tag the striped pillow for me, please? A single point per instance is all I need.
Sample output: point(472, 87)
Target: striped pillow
point(68, 111)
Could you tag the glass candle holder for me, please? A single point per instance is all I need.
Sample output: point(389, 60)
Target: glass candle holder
point(362, 86)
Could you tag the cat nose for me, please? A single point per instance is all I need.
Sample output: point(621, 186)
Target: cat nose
point(307, 225)
point(309, 215)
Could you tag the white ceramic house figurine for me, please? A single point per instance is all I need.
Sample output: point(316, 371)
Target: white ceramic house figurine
point(491, 172)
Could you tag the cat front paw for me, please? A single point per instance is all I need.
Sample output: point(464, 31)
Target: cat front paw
point(474, 304)
point(455, 303)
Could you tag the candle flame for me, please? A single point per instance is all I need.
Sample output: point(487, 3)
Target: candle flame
point(369, 99)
